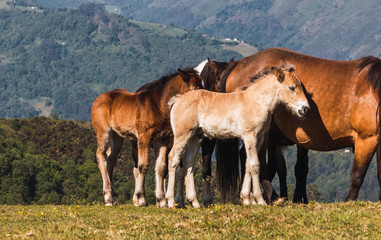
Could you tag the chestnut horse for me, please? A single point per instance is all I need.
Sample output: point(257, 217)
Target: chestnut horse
point(345, 100)
point(143, 116)
point(245, 114)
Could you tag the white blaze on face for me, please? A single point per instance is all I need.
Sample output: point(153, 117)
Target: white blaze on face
point(201, 66)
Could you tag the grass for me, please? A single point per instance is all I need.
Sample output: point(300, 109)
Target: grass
point(351, 220)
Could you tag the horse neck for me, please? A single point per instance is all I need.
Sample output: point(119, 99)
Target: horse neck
point(267, 91)
point(167, 91)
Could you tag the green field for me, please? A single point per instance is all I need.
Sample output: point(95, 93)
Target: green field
point(351, 220)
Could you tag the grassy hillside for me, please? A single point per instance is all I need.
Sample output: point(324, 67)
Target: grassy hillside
point(332, 29)
point(353, 220)
point(78, 54)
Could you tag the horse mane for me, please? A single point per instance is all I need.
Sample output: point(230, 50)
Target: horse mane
point(163, 80)
point(224, 77)
point(266, 72)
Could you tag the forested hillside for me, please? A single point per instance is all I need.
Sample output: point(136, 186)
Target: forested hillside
point(50, 161)
point(47, 161)
point(331, 29)
point(44, 160)
point(59, 61)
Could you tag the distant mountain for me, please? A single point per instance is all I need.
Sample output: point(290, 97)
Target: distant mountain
point(335, 29)
point(60, 60)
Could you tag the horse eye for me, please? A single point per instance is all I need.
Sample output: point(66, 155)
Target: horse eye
point(292, 88)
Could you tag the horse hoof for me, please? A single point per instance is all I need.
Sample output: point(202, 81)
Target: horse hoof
point(196, 205)
point(161, 204)
point(246, 202)
point(171, 204)
point(263, 203)
point(208, 203)
point(108, 204)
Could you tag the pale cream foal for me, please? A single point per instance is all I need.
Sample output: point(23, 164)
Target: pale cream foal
point(244, 114)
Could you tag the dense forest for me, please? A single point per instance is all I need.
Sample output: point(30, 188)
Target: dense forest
point(59, 60)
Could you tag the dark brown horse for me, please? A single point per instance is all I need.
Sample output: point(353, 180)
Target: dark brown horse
point(143, 116)
point(345, 100)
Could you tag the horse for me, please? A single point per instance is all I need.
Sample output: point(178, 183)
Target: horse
point(143, 117)
point(345, 109)
point(227, 115)
point(211, 73)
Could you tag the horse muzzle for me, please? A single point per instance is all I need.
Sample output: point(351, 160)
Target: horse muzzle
point(304, 111)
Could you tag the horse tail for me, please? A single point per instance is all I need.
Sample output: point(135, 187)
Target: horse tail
point(227, 168)
point(374, 80)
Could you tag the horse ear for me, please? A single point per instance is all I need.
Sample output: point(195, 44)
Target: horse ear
point(278, 73)
point(183, 75)
point(231, 60)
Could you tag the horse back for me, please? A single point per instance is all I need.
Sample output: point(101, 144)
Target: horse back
point(124, 112)
point(342, 103)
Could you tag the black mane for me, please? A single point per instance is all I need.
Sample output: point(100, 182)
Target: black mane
point(226, 75)
point(163, 80)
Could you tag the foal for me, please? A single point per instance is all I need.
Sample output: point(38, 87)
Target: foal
point(144, 117)
point(245, 114)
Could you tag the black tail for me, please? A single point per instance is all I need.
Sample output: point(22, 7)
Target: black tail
point(374, 80)
point(227, 169)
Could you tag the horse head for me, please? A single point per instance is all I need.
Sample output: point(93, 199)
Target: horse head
point(190, 79)
point(212, 72)
point(292, 91)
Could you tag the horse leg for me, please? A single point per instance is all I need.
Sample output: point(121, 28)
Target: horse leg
point(180, 178)
point(103, 145)
point(379, 167)
point(189, 160)
point(160, 148)
point(301, 171)
point(134, 148)
point(254, 167)
point(268, 190)
point(251, 174)
point(174, 159)
point(364, 151)
point(242, 158)
point(277, 164)
point(116, 143)
point(143, 149)
point(207, 150)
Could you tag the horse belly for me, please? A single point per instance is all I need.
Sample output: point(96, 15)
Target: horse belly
point(225, 128)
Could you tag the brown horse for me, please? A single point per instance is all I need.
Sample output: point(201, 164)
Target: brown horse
point(220, 115)
point(345, 100)
point(143, 116)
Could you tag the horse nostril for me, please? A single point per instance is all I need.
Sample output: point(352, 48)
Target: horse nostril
point(306, 110)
